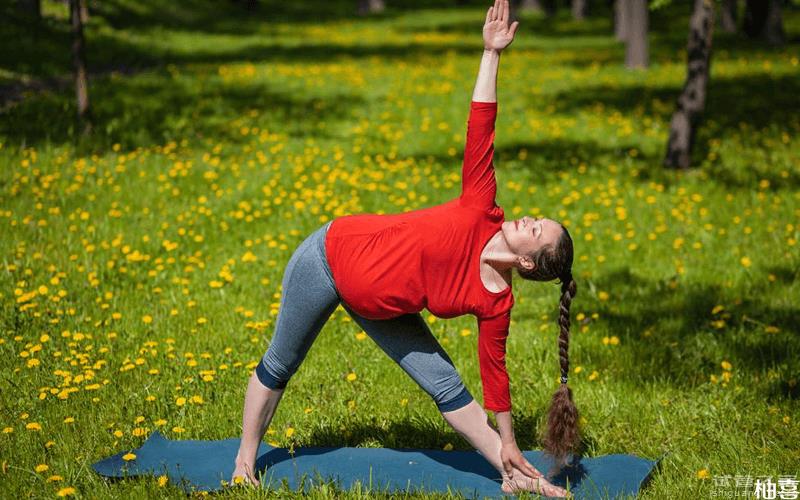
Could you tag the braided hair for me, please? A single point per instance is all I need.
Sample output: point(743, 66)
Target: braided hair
point(562, 434)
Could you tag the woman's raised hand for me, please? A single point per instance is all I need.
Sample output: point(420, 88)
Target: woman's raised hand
point(497, 34)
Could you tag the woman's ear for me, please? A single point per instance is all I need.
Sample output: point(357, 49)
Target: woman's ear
point(526, 263)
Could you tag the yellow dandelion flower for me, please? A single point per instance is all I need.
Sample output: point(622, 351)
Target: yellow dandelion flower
point(33, 426)
point(703, 474)
point(594, 375)
point(786, 419)
point(69, 420)
point(448, 447)
point(361, 336)
point(178, 430)
point(603, 295)
point(351, 377)
point(202, 321)
point(139, 431)
point(129, 456)
point(180, 401)
point(197, 400)
point(290, 432)
point(147, 319)
point(726, 365)
point(41, 468)
point(8, 430)
point(466, 332)
point(65, 492)
point(54, 478)
point(160, 422)
point(162, 481)
point(746, 262)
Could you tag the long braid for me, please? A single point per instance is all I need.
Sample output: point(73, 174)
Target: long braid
point(568, 289)
point(562, 432)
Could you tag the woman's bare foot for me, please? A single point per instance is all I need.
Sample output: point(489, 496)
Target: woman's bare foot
point(520, 482)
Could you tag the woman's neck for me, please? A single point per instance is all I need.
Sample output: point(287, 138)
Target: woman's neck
point(498, 255)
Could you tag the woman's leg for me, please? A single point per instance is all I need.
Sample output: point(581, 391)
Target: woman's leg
point(308, 299)
point(408, 340)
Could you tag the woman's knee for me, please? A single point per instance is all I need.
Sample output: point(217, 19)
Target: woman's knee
point(273, 372)
point(454, 399)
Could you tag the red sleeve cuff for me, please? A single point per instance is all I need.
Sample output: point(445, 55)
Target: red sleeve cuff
point(482, 112)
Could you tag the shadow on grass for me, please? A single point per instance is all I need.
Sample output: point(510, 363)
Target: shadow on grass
point(670, 334)
point(542, 162)
point(745, 103)
point(427, 433)
point(152, 109)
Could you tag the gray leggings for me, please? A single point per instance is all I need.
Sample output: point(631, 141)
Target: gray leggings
point(310, 297)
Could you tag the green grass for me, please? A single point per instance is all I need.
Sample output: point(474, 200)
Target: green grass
point(222, 139)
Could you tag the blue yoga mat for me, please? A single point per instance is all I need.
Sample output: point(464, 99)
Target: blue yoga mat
point(203, 465)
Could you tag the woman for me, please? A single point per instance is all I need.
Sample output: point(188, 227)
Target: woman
point(453, 259)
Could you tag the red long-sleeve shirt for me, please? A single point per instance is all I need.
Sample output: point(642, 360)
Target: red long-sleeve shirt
point(385, 266)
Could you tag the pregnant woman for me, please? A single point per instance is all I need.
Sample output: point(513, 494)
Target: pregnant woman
point(453, 259)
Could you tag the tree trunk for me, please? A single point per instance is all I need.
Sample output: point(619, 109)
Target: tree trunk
point(636, 50)
point(773, 29)
point(79, 67)
point(764, 19)
point(621, 19)
point(729, 14)
point(692, 100)
point(366, 7)
point(579, 9)
point(32, 8)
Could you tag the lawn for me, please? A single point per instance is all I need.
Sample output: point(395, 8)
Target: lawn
point(141, 266)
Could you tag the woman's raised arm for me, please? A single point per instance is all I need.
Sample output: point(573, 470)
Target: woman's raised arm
point(497, 35)
point(478, 185)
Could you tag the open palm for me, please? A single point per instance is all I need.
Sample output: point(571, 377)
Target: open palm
point(497, 34)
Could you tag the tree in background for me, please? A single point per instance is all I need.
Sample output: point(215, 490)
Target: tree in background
point(692, 100)
point(79, 66)
point(636, 47)
point(621, 21)
point(579, 9)
point(729, 10)
point(764, 19)
point(366, 7)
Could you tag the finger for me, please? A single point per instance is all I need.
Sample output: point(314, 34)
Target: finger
point(530, 469)
point(505, 13)
point(514, 27)
point(489, 15)
point(508, 468)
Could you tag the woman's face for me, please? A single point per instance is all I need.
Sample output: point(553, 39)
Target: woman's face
point(527, 235)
